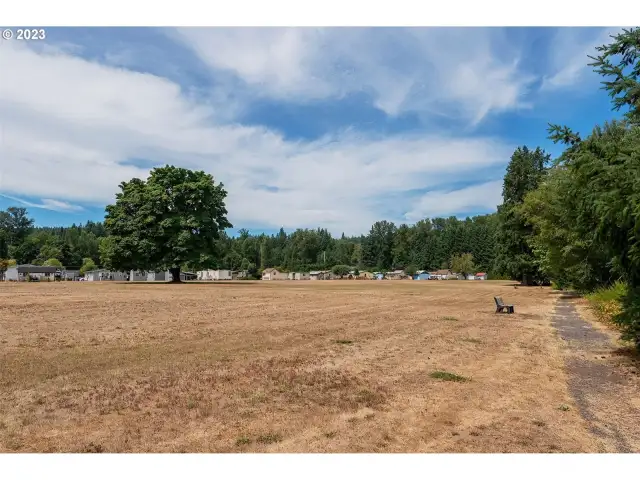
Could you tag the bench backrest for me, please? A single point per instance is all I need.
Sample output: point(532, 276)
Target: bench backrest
point(499, 301)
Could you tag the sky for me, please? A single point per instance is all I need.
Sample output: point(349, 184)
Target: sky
point(312, 127)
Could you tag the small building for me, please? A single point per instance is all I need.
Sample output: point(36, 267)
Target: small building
point(20, 273)
point(70, 273)
point(274, 274)
point(214, 275)
point(222, 275)
point(378, 275)
point(302, 276)
point(320, 275)
point(481, 276)
point(204, 275)
point(186, 276)
point(158, 276)
point(137, 276)
point(238, 274)
point(396, 275)
point(471, 276)
point(103, 275)
point(444, 274)
point(422, 275)
point(365, 276)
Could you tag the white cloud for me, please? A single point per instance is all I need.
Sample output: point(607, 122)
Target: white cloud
point(571, 48)
point(71, 127)
point(459, 72)
point(483, 197)
point(47, 204)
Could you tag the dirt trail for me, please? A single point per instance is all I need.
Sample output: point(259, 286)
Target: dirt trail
point(603, 382)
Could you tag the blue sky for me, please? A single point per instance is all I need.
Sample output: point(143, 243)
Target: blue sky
point(311, 127)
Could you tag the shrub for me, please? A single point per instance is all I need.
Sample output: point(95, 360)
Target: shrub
point(606, 302)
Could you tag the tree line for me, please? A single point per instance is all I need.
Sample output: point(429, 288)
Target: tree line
point(428, 245)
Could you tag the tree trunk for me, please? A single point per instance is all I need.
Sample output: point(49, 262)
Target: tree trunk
point(175, 274)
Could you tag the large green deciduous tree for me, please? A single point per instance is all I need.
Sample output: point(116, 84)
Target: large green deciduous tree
point(463, 264)
point(173, 218)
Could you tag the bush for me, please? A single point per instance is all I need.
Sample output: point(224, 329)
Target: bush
point(629, 317)
point(606, 302)
point(556, 286)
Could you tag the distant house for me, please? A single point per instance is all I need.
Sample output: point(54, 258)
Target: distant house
point(214, 275)
point(422, 275)
point(274, 274)
point(481, 276)
point(20, 273)
point(378, 275)
point(103, 275)
point(366, 276)
point(238, 274)
point(396, 275)
point(444, 274)
point(302, 276)
point(70, 273)
point(222, 275)
point(158, 276)
point(320, 275)
point(137, 276)
point(186, 276)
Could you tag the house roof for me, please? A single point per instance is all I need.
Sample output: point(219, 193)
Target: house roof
point(270, 270)
point(36, 269)
point(480, 273)
point(443, 272)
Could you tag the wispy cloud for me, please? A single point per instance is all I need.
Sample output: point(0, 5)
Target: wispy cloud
point(483, 197)
point(570, 56)
point(462, 72)
point(47, 204)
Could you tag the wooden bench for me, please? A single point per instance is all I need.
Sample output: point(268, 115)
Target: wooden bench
point(501, 307)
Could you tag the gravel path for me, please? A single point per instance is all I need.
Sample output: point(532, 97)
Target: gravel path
point(604, 385)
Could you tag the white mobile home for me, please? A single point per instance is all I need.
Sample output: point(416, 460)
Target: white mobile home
point(102, 275)
point(274, 274)
point(302, 276)
point(214, 275)
point(158, 276)
point(20, 273)
point(137, 276)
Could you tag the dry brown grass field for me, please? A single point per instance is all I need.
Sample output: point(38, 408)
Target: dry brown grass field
point(326, 366)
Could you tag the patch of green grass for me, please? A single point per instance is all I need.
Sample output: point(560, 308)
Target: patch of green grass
point(269, 438)
point(449, 319)
point(243, 441)
point(564, 408)
point(471, 340)
point(448, 376)
point(344, 342)
point(191, 404)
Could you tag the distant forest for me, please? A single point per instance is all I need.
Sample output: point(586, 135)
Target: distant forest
point(427, 245)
